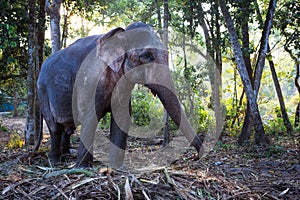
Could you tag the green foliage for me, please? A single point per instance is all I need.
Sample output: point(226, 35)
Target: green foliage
point(22, 109)
point(201, 119)
point(221, 145)
point(253, 151)
point(193, 90)
point(287, 20)
point(141, 107)
point(13, 37)
point(105, 122)
point(13, 48)
point(275, 126)
point(3, 128)
point(124, 12)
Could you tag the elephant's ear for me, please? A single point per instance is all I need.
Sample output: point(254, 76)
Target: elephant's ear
point(110, 48)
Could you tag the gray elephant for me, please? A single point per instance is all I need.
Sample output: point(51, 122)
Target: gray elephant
point(106, 66)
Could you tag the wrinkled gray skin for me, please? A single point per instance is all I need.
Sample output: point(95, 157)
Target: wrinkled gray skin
point(55, 87)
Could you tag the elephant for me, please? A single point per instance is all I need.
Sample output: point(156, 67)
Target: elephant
point(62, 92)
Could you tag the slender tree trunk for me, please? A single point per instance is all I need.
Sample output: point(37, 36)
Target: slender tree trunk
point(297, 115)
point(205, 31)
point(262, 57)
point(235, 100)
point(65, 29)
point(158, 14)
point(217, 44)
point(29, 129)
point(246, 129)
point(165, 41)
point(297, 83)
point(263, 47)
point(285, 117)
point(16, 102)
point(54, 12)
point(213, 51)
point(217, 73)
point(39, 62)
point(244, 76)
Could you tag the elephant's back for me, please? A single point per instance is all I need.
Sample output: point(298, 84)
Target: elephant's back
point(57, 77)
point(68, 60)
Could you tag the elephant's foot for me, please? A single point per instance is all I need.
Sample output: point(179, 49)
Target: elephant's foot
point(84, 156)
point(85, 161)
point(55, 158)
point(65, 150)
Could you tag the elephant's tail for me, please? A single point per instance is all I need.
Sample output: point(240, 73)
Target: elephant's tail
point(40, 134)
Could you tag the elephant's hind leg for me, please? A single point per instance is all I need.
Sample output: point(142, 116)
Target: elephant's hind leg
point(65, 141)
point(55, 151)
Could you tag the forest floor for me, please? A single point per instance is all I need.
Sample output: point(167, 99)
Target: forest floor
point(227, 172)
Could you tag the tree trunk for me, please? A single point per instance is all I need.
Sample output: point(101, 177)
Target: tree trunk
point(262, 57)
point(16, 102)
point(158, 15)
point(297, 116)
point(65, 29)
point(263, 47)
point(213, 51)
point(297, 83)
point(29, 129)
point(246, 129)
point(165, 41)
point(217, 72)
point(244, 76)
point(285, 117)
point(286, 120)
point(54, 13)
point(39, 62)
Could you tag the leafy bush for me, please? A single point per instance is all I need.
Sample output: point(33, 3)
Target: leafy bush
point(105, 122)
point(275, 126)
point(140, 102)
point(201, 117)
point(3, 128)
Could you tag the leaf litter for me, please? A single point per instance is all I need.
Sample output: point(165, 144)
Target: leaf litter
point(228, 172)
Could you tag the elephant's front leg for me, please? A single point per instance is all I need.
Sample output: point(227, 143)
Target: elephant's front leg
point(85, 155)
point(117, 147)
point(85, 149)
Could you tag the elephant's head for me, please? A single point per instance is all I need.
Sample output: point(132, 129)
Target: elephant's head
point(143, 58)
point(135, 46)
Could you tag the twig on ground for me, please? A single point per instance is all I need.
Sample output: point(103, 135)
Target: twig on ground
point(68, 171)
point(60, 191)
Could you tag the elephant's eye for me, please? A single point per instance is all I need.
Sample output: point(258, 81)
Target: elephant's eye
point(147, 57)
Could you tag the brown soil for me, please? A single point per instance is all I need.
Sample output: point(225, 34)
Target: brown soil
point(228, 172)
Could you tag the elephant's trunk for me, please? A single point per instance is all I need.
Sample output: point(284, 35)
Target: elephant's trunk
point(156, 77)
point(171, 103)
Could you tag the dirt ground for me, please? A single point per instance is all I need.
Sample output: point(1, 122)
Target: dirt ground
point(227, 172)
